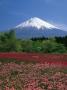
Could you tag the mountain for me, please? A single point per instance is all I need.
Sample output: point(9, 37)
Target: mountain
point(36, 27)
point(35, 22)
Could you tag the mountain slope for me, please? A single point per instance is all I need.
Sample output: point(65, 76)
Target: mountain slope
point(37, 23)
point(36, 27)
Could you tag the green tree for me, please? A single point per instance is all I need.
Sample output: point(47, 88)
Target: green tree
point(8, 42)
point(50, 46)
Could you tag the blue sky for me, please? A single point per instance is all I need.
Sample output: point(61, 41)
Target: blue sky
point(13, 12)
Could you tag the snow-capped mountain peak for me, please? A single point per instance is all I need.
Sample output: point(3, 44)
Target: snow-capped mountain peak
point(37, 23)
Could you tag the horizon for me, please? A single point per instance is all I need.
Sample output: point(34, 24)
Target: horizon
point(15, 12)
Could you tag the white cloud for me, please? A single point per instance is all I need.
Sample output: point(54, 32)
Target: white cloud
point(60, 26)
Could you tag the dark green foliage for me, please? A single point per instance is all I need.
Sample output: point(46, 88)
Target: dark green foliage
point(42, 38)
point(9, 43)
point(53, 47)
point(62, 40)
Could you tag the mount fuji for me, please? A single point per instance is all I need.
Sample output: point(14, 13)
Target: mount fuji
point(36, 27)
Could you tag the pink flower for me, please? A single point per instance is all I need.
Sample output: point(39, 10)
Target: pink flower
point(12, 88)
point(7, 88)
point(50, 87)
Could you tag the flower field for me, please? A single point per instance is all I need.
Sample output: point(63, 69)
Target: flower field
point(22, 71)
point(57, 59)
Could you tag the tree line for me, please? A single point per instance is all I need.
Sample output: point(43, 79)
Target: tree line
point(9, 43)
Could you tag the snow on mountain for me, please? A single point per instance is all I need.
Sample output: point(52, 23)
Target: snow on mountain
point(37, 28)
point(37, 23)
